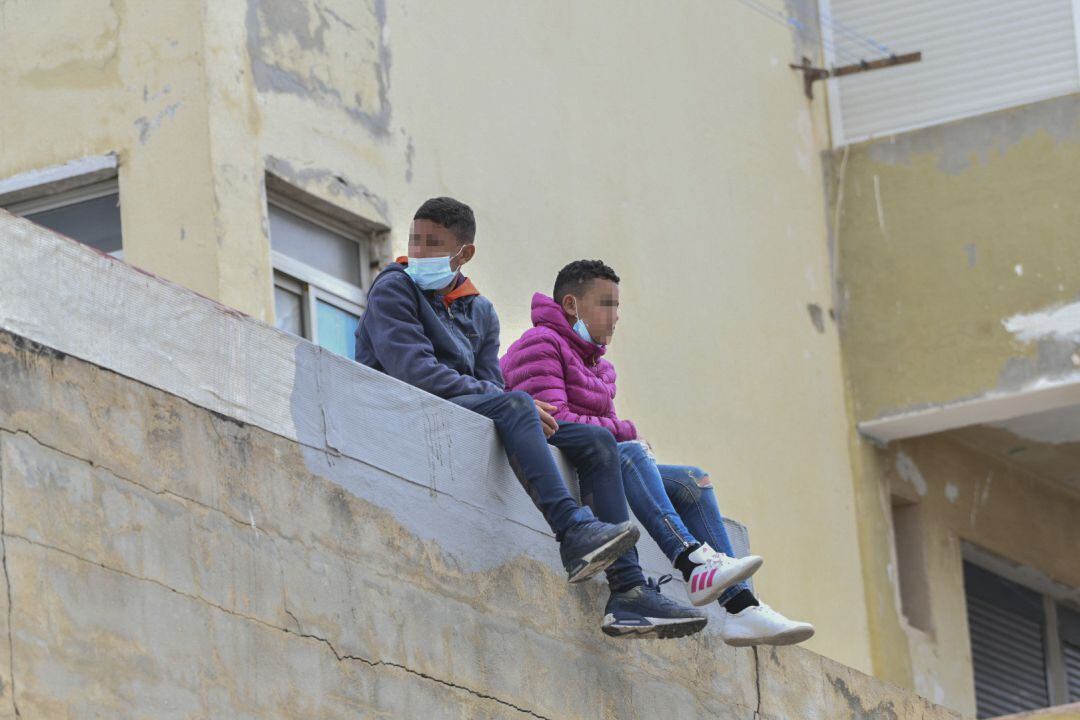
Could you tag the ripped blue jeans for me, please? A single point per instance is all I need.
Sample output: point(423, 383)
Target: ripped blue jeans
point(675, 504)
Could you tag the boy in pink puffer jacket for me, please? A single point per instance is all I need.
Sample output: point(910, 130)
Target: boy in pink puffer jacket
point(560, 361)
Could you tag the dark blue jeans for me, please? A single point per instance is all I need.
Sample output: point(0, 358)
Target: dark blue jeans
point(522, 436)
point(675, 504)
point(593, 452)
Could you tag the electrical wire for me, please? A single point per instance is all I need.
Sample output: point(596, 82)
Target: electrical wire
point(854, 34)
point(838, 51)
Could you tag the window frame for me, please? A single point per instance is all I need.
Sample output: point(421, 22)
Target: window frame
point(59, 186)
point(310, 296)
point(311, 284)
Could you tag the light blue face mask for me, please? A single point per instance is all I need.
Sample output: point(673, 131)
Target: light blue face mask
point(582, 331)
point(431, 273)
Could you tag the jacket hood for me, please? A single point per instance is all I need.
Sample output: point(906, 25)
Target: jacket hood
point(548, 313)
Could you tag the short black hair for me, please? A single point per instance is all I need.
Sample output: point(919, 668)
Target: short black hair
point(454, 215)
point(573, 278)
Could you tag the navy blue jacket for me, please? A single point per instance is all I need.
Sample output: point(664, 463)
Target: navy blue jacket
point(414, 336)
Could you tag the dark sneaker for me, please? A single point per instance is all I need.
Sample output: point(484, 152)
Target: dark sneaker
point(589, 547)
point(644, 612)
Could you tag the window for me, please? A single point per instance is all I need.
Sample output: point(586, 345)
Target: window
point(978, 56)
point(323, 265)
point(1025, 644)
point(908, 537)
point(80, 200)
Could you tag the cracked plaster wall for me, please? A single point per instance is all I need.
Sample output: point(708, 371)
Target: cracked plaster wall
point(161, 559)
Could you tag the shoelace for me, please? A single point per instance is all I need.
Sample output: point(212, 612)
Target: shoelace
point(662, 580)
point(717, 560)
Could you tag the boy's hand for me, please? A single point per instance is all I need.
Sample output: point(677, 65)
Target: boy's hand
point(544, 410)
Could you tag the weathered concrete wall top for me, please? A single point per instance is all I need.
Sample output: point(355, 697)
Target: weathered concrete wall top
point(164, 561)
point(167, 554)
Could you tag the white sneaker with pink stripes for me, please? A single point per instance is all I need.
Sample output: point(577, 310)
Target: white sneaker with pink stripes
point(716, 572)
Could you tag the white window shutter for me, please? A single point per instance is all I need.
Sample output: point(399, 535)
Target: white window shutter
point(978, 56)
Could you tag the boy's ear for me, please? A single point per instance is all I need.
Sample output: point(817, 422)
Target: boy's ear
point(467, 252)
point(569, 305)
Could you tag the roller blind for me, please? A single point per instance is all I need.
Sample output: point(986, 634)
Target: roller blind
point(978, 56)
point(1006, 623)
point(1069, 620)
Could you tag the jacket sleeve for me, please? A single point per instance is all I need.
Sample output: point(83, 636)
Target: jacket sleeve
point(541, 375)
point(404, 351)
point(487, 360)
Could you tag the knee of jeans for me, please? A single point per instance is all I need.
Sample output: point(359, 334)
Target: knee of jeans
point(520, 401)
point(601, 447)
point(632, 453)
point(691, 483)
point(700, 477)
point(686, 489)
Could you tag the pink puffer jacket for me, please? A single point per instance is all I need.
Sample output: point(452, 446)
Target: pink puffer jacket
point(552, 363)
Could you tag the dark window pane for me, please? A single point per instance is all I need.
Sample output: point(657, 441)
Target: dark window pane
point(93, 222)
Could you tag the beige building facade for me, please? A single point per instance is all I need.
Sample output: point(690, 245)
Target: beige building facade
point(859, 340)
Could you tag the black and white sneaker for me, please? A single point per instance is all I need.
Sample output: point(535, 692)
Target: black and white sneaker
point(589, 547)
point(644, 612)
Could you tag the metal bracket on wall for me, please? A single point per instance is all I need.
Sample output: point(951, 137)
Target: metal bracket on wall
point(812, 74)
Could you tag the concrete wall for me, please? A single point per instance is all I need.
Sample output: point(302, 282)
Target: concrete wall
point(956, 255)
point(165, 559)
point(672, 141)
point(959, 495)
point(955, 244)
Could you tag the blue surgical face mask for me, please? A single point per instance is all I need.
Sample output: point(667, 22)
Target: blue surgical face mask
point(431, 273)
point(582, 331)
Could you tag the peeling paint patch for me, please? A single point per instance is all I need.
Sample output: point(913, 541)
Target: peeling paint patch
point(880, 207)
point(1052, 362)
point(1061, 323)
point(979, 498)
point(146, 126)
point(410, 153)
point(147, 97)
point(817, 317)
point(972, 254)
point(951, 491)
point(986, 489)
point(910, 473)
point(311, 50)
point(336, 183)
